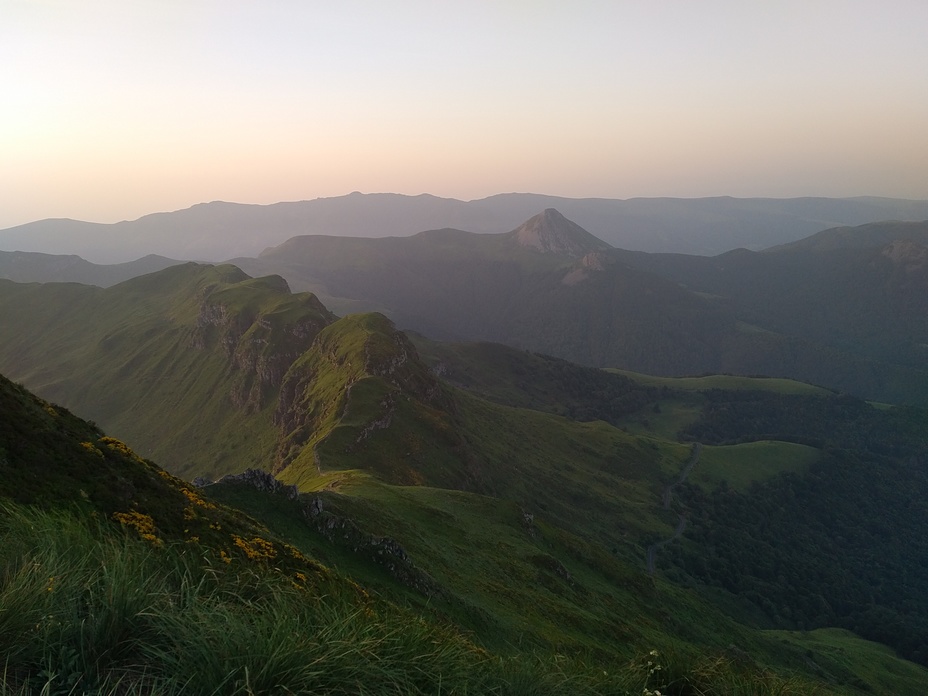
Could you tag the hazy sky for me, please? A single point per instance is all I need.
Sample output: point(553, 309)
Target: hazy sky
point(111, 110)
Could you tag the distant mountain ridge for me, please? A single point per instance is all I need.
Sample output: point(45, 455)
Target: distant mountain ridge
point(31, 267)
point(862, 290)
point(220, 230)
point(876, 234)
point(848, 319)
point(843, 308)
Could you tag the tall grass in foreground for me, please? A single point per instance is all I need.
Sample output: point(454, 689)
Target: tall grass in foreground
point(86, 609)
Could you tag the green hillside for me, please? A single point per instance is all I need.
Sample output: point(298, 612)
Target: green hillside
point(115, 577)
point(192, 595)
point(162, 610)
point(203, 348)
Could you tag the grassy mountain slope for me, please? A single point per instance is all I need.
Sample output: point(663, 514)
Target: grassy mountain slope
point(542, 565)
point(203, 348)
point(770, 444)
point(183, 614)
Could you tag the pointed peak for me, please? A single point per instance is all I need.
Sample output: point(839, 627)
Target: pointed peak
point(551, 233)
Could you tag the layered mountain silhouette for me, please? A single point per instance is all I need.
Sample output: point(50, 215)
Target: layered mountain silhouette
point(26, 267)
point(844, 308)
point(850, 318)
point(218, 230)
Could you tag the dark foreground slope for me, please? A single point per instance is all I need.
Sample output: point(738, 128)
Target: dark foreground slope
point(115, 577)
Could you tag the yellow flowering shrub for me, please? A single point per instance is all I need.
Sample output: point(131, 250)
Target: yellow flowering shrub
point(257, 549)
point(141, 523)
point(196, 500)
point(92, 448)
point(118, 446)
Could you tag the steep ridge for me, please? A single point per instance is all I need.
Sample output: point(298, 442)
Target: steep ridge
point(204, 348)
point(361, 398)
point(233, 372)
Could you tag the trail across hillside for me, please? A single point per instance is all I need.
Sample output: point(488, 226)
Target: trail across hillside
point(667, 497)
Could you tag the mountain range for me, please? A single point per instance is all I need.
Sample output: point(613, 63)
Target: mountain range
point(843, 308)
point(847, 315)
point(216, 231)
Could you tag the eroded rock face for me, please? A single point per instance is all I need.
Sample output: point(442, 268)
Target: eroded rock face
point(261, 344)
point(263, 355)
point(593, 262)
point(263, 481)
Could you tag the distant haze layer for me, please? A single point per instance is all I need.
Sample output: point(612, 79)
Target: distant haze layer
point(112, 109)
point(220, 231)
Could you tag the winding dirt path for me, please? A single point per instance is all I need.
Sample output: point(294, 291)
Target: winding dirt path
point(667, 497)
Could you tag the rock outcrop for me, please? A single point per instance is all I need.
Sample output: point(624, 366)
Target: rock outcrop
point(260, 339)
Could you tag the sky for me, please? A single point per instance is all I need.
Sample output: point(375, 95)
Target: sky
point(110, 110)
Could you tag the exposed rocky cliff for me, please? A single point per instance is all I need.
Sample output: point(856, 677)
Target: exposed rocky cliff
point(261, 340)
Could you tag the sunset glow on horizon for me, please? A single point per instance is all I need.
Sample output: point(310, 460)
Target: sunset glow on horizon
point(113, 110)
